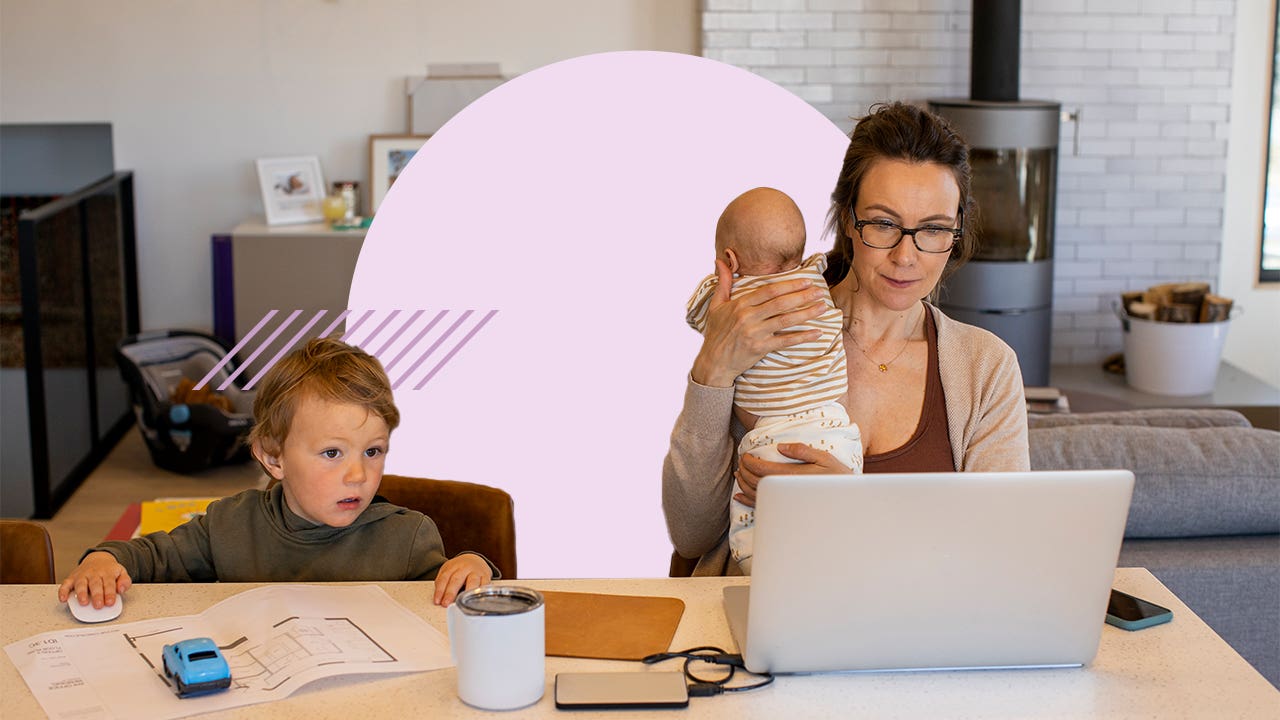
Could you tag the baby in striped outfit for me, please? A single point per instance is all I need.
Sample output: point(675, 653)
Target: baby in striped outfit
point(790, 395)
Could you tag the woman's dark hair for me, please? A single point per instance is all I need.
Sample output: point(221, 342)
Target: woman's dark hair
point(898, 131)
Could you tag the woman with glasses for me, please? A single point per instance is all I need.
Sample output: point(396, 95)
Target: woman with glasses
point(929, 394)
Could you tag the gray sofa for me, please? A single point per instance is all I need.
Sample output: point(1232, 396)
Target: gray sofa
point(1205, 516)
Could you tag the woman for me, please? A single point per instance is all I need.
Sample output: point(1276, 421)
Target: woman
point(929, 394)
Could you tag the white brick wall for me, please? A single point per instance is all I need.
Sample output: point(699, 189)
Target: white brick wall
point(1140, 203)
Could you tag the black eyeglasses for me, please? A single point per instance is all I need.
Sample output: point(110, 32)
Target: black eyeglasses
point(885, 235)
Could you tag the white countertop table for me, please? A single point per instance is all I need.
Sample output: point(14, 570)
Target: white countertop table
point(1181, 669)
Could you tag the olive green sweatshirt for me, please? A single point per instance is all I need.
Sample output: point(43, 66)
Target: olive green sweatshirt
point(254, 537)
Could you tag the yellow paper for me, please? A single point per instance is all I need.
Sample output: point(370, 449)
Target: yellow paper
point(168, 513)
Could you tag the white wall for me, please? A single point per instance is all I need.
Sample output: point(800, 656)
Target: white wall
point(196, 91)
point(1251, 344)
point(1142, 202)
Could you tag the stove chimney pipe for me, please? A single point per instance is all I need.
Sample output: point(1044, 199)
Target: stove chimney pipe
point(993, 57)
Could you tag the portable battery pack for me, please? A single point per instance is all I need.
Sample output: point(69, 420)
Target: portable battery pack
point(609, 690)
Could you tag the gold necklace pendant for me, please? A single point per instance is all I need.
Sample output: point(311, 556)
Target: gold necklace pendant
point(884, 366)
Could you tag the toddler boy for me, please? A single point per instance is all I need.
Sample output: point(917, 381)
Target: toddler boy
point(790, 395)
point(324, 416)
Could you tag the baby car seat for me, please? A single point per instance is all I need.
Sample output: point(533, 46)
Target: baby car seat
point(186, 430)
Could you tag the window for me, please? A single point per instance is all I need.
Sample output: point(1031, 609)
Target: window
point(1269, 260)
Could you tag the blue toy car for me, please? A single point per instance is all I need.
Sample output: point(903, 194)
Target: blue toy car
point(196, 666)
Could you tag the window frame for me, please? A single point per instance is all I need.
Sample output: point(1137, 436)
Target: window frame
point(1271, 155)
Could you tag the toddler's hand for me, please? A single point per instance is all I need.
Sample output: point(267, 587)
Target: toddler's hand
point(97, 578)
point(463, 572)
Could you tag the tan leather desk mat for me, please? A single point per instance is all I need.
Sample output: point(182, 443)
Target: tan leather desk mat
point(609, 627)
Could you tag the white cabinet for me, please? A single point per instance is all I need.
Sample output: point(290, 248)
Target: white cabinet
point(258, 268)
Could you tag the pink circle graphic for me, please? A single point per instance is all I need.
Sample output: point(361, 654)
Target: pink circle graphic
point(559, 224)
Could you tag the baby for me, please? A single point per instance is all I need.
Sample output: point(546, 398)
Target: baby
point(324, 419)
point(790, 395)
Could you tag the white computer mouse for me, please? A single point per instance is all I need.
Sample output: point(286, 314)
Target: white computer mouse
point(90, 614)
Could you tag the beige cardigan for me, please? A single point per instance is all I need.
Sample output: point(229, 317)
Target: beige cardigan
point(986, 421)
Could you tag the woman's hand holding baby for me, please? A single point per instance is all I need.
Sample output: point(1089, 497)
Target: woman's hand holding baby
point(812, 462)
point(741, 331)
point(97, 579)
point(463, 572)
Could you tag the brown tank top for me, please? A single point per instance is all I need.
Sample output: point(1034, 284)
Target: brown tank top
point(929, 449)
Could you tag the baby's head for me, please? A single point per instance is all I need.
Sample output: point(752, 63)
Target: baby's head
point(324, 416)
point(761, 232)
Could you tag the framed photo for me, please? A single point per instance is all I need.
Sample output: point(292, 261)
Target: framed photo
point(292, 189)
point(388, 156)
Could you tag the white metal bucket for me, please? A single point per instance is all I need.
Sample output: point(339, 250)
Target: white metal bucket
point(1172, 358)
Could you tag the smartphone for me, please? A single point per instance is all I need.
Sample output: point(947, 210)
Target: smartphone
point(1131, 613)
point(606, 690)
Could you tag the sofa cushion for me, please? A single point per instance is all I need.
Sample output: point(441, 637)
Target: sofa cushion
point(1232, 583)
point(1188, 481)
point(1151, 417)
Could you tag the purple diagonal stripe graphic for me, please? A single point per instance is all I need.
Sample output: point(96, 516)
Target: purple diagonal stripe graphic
point(335, 322)
point(465, 339)
point(287, 346)
point(380, 328)
point(434, 345)
point(274, 334)
point(440, 315)
point(396, 336)
point(346, 336)
point(243, 341)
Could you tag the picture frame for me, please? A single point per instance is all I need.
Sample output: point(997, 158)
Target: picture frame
point(388, 157)
point(292, 189)
point(446, 89)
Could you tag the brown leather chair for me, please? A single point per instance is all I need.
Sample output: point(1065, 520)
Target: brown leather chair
point(681, 566)
point(469, 516)
point(26, 553)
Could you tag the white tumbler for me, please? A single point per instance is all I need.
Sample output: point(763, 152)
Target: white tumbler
point(497, 636)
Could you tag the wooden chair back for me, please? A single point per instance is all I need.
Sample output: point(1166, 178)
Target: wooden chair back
point(470, 516)
point(26, 553)
point(681, 566)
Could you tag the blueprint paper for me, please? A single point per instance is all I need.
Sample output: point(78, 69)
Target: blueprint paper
point(276, 639)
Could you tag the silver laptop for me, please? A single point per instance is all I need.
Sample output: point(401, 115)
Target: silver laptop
point(929, 571)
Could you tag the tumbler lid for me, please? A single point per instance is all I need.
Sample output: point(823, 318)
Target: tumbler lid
point(499, 600)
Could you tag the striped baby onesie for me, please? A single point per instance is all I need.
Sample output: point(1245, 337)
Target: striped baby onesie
point(794, 393)
point(795, 379)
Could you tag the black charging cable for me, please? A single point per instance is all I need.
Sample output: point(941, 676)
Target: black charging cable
point(705, 687)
